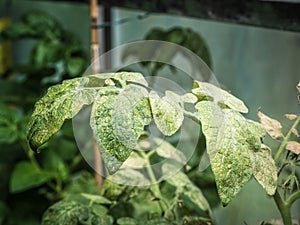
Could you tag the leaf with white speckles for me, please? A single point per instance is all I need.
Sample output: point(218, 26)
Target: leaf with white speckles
point(231, 142)
point(113, 152)
point(207, 91)
point(131, 113)
point(61, 102)
point(265, 171)
point(167, 114)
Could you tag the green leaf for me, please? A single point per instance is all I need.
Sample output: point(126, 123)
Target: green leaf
point(8, 125)
point(265, 171)
point(51, 161)
point(62, 101)
point(75, 66)
point(67, 213)
point(127, 221)
point(131, 113)
point(184, 187)
point(45, 53)
point(99, 210)
point(26, 176)
point(124, 176)
point(122, 78)
point(168, 151)
point(231, 142)
point(98, 199)
point(167, 114)
point(113, 152)
point(207, 91)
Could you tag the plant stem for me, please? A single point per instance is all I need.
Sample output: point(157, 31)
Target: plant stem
point(284, 209)
point(285, 140)
point(293, 198)
point(155, 185)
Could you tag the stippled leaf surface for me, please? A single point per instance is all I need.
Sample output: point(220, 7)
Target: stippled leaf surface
point(207, 91)
point(184, 187)
point(131, 113)
point(232, 142)
point(265, 171)
point(167, 114)
point(61, 102)
point(113, 151)
point(74, 213)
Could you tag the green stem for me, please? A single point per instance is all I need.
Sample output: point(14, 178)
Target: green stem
point(285, 140)
point(293, 198)
point(155, 185)
point(284, 209)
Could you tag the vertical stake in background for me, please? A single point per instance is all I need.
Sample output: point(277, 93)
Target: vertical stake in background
point(95, 69)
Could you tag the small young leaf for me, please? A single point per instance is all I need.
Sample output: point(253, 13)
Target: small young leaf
point(26, 176)
point(293, 146)
point(291, 116)
point(231, 141)
point(61, 102)
point(273, 127)
point(167, 114)
point(207, 91)
point(265, 171)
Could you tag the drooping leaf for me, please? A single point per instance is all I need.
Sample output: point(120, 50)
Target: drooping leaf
point(184, 187)
point(113, 151)
point(61, 102)
point(293, 146)
point(231, 142)
point(207, 91)
point(265, 171)
point(26, 176)
point(167, 114)
point(131, 113)
point(273, 127)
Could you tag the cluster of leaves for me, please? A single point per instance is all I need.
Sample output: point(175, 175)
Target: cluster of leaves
point(57, 53)
point(123, 105)
point(184, 37)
